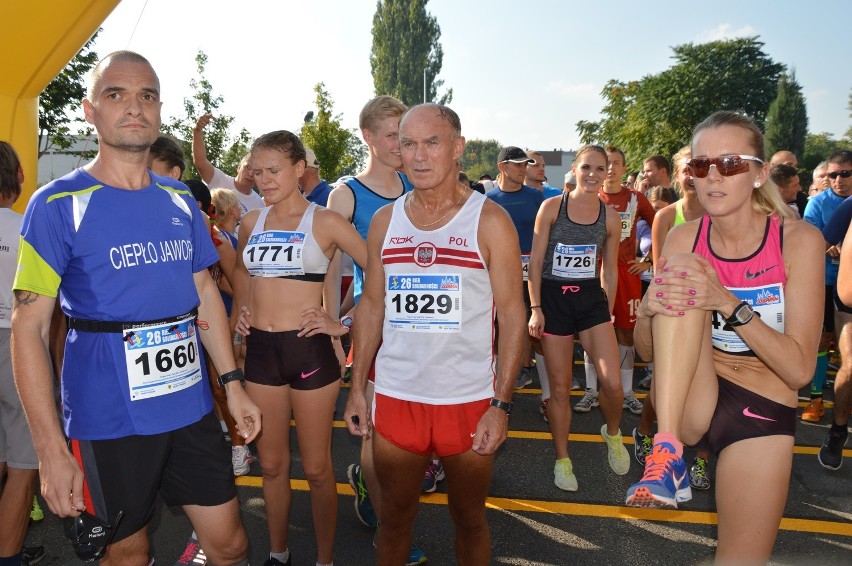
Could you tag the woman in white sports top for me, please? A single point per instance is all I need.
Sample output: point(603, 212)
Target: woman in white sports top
point(282, 257)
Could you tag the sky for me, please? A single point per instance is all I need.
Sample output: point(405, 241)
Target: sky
point(522, 73)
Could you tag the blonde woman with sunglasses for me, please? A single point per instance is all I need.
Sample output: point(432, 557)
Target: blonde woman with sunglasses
point(730, 352)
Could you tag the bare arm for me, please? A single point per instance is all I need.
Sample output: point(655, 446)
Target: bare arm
point(342, 202)
point(663, 222)
point(367, 329)
point(215, 336)
point(844, 276)
point(199, 149)
point(501, 250)
point(541, 235)
point(609, 268)
point(60, 474)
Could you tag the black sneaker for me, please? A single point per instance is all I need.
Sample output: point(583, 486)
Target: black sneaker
point(275, 562)
point(31, 555)
point(831, 453)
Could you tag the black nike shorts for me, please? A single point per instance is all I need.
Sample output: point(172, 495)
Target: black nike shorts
point(283, 358)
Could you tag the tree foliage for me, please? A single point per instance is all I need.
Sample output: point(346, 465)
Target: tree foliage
point(656, 114)
point(61, 97)
point(338, 150)
point(405, 42)
point(480, 158)
point(223, 150)
point(787, 118)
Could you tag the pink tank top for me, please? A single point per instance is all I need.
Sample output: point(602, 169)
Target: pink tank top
point(758, 279)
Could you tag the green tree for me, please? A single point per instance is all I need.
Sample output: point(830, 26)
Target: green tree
point(336, 147)
point(657, 113)
point(787, 118)
point(223, 151)
point(405, 42)
point(61, 97)
point(480, 158)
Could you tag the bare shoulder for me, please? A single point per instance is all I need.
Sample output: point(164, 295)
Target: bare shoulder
point(682, 237)
point(340, 200)
point(249, 219)
point(666, 215)
point(802, 234)
point(493, 216)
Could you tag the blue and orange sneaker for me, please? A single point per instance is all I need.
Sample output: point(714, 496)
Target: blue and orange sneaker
point(665, 483)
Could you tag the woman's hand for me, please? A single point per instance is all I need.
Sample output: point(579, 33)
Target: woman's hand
point(536, 324)
point(316, 321)
point(243, 322)
point(678, 288)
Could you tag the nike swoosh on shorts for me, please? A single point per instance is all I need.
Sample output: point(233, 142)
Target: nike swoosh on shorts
point(305, 375)
point(747, 412)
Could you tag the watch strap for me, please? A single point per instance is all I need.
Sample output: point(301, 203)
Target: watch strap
point(502, 405)
point(230, 376)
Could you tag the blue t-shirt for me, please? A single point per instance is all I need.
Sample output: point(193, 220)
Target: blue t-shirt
point(124, 256)
point(818, 212)
point(550, 192)
point(522, 206)
point(319, 194)
point(366, 204)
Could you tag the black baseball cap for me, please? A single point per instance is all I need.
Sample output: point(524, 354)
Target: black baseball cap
point(514, 154)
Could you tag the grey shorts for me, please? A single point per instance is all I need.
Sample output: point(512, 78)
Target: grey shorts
point(16, 442)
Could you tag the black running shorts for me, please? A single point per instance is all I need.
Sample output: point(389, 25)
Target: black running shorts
point(188, 466)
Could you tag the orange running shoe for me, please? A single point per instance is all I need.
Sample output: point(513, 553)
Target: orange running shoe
point(814, 411)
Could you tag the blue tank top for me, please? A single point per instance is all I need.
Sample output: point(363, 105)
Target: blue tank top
point(366, 204)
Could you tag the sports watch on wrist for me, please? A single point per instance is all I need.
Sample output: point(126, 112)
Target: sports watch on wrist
point(235, 375)
point(741, 315)
point(502, 405)
point(346, 321)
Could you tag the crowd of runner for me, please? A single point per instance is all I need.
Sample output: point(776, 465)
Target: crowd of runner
point(187, 321)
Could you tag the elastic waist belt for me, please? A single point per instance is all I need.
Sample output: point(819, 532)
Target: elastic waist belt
point(84, 325)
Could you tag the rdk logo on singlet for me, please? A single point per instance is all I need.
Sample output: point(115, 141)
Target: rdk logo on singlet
point(425, 254)
point(397, 240)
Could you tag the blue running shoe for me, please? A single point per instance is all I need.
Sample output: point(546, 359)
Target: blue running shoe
point(416, 556)
point(363, 507)
point(665, 483)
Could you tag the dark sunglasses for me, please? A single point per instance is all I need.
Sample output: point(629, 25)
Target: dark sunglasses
point(90, 536)
point(727, 165)
point(846, 173)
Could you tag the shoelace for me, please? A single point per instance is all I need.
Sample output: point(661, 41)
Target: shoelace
point(657, 465)
point(647, 445)
point(700, 467)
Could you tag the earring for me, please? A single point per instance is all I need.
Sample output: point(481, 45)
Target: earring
point(757, 184)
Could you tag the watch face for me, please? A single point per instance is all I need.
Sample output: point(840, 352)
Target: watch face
point(744, 314)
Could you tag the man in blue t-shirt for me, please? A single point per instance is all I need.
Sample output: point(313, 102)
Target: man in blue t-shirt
point(522, 203)
point(126, 252)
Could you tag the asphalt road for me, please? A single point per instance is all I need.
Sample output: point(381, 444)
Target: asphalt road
point(533, 523)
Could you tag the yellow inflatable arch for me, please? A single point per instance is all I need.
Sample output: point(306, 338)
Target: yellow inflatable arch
point(39, 38)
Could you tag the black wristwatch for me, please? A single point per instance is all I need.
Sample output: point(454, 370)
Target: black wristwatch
point(235, 375)
point(502, 405)
point(741, 315)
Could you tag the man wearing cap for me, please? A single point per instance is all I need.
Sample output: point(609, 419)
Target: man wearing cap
point(315, 189)
point(522, 203)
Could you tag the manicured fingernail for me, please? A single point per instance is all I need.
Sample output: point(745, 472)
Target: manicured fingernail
point(658, 280)
point(690, 303)
point(683, 273)
point(680, 313)
point(665, 269)
point(660, 294)
point(693, 292)
point(668, 307)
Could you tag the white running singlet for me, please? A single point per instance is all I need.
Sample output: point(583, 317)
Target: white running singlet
point(439, 311)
